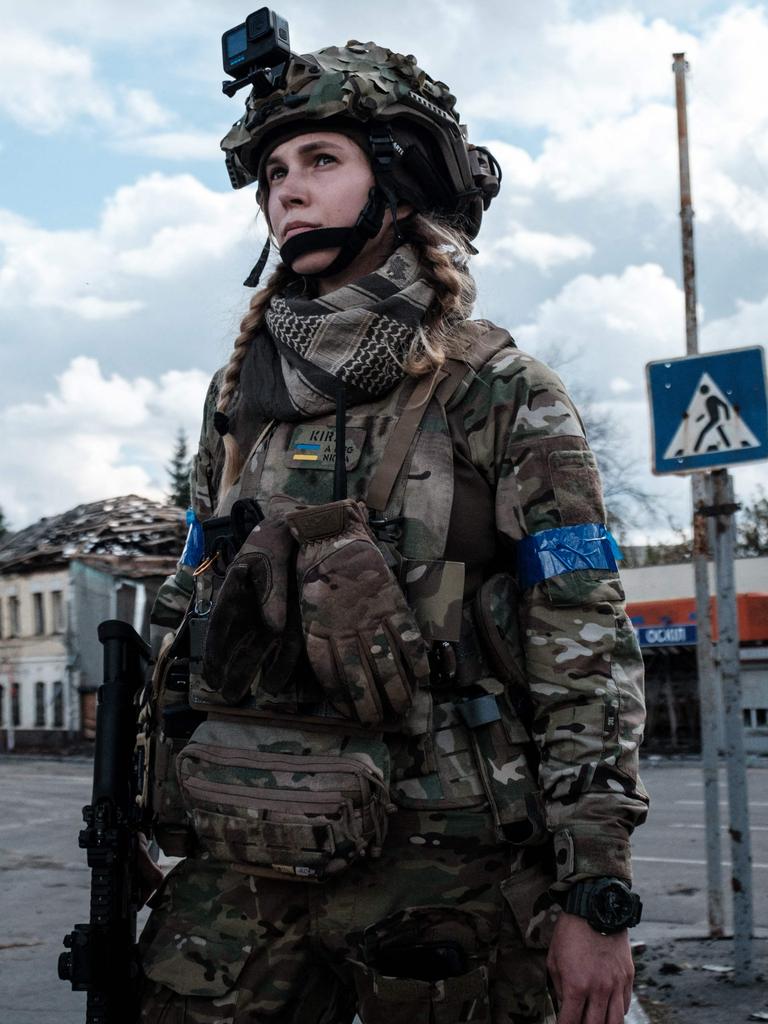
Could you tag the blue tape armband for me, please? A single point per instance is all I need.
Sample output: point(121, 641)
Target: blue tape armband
point(194, 548)
point(565, 549)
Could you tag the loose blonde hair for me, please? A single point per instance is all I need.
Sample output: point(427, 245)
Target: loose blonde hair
point(443, 253)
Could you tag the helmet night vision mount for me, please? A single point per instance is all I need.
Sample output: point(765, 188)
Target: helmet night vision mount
point(256, 53)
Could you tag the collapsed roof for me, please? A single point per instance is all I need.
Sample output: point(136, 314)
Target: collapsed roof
point(128, 526)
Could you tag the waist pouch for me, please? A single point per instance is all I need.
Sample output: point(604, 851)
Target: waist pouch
point(285, 802)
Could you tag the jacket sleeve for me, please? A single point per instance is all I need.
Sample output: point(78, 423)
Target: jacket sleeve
point(174, 594)
point(582, 660)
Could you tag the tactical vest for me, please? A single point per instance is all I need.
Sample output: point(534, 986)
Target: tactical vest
point(464, 742)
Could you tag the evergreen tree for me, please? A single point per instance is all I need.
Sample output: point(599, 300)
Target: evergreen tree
point(178, 471)
point(4, 531)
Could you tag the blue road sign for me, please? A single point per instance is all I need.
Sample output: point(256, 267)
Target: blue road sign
point(708, 411)
point(666, 636)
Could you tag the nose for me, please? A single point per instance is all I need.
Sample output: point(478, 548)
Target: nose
point(292, 190)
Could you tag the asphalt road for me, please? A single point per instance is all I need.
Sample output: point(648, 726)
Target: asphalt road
point(669, 851)
point(44, 879)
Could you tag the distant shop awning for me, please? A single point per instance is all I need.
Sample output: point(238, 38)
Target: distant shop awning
point(671, 622)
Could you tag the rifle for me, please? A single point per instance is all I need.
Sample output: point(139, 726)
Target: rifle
point(103, 959)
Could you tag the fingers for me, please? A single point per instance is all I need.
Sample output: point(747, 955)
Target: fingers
point(619, 1006)
point(571, 1008)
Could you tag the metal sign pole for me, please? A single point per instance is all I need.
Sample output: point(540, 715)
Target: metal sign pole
point(708, 692)
point(709, 702)
point(724, 508)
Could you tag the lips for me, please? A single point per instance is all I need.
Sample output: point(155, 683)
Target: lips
point(296, 227)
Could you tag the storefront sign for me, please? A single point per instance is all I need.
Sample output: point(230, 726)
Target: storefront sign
point(666, 636)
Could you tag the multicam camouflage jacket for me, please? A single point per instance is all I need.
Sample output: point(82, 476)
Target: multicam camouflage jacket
point(503, 460)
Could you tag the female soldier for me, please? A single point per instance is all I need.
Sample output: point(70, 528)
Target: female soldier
point(419, 705)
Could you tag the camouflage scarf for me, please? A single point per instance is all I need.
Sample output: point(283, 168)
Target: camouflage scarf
point(358, 334)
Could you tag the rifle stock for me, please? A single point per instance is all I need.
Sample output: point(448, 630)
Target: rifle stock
point(103, 958)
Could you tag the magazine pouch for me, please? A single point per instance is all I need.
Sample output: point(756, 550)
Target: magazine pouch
point(285, 802)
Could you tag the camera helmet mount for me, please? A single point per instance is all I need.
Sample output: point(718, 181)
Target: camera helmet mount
point(404, 119)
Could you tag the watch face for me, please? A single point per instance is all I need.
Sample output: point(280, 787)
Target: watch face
point(613, 906)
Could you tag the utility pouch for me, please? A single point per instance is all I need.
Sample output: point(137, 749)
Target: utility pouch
point(283, 802)
point(506, 760)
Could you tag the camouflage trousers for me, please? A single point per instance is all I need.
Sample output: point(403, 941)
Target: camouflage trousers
point(447, 926)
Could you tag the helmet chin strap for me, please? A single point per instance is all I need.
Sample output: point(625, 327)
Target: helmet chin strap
point(349, 241)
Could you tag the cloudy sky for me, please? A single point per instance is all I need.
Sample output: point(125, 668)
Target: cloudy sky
point(122, 245)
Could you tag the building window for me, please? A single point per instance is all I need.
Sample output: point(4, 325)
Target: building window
point(2, 705)
point(747, 715)
point(39, 705)
point(57, 600)
point(58, 705)
point(761, 717)
point(13, 617)
point(39, 614)
point(15, 705)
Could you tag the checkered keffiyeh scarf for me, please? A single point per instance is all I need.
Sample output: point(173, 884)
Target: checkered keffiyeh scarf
point(358, 334)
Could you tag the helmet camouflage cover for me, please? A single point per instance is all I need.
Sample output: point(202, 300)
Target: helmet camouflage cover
point(370, 87)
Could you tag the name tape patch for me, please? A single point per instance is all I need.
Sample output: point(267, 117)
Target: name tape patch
point(315, 448)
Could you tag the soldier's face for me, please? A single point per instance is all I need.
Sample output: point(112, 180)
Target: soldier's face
point(321, 180)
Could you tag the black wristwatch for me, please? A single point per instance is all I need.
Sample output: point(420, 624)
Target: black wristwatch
point(608, 904)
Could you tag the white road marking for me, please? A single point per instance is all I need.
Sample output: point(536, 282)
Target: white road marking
point(701, 863)
point(79, 779)
point(752, 828)
point(35, 821)
point(723, 803)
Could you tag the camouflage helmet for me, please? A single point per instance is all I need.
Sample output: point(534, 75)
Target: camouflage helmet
point(417, 146)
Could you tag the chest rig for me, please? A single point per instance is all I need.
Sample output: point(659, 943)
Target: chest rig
point(463, 743)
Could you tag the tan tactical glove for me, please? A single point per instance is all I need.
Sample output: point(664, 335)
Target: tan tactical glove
point(362, 640)
point(247, 630)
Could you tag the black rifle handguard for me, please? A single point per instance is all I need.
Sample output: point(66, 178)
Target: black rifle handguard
point(103, 958)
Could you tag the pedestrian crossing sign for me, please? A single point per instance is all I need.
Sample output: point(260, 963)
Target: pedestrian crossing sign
point(708, 411)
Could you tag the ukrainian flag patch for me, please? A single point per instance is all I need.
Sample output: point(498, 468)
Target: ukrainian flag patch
point(314, 447)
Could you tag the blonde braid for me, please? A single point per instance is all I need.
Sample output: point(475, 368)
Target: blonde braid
point(249, 327)
point(444, 256)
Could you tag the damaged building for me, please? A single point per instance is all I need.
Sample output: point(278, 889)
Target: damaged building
point(59, 578)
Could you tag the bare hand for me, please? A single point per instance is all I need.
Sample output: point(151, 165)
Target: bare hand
point(150, 875)
point(592, 973)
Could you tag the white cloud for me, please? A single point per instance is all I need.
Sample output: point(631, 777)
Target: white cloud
point(624, 320)
point(188, 145)
point(57, 87)
point(144, 110)
point(96, 436)
point(542, 249)
point(64, 89)
point(747, 326)
point(159, 227)
point(604, 96)
point(582, 71)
